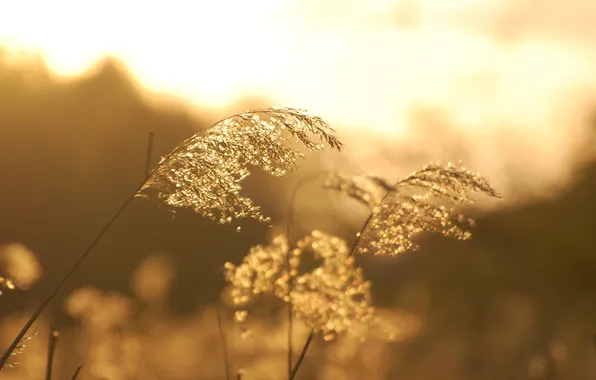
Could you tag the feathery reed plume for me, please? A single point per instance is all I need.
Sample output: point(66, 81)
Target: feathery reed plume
point(328, 298)
point(334, 295)
point(402, 213)
point(204, 173)
point(263, 270)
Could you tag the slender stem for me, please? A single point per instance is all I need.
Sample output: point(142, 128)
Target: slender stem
point(302, 354)
point(58, 287)
point(149, 152)
point(290, 332)
point(291, 212)
point(82, 257)
point(359, 235)
point(352, 252)
point(223, 341)
point(76, 374)
point(51, 350)
point(290, 284)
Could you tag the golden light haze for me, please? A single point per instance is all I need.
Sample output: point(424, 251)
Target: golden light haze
point(515, 70)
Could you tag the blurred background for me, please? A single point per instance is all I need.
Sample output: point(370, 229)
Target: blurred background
point(507, 86)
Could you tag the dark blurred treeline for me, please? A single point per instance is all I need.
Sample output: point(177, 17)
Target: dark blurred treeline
point(72, 151)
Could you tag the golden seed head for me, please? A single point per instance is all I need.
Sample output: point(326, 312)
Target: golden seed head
point(204, 173)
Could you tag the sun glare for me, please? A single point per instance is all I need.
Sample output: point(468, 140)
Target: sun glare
point(208, 51)
point(361, 63)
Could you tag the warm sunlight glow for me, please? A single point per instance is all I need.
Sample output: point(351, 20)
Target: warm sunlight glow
point(362, 63)
point(203, 50)
point(489, 67)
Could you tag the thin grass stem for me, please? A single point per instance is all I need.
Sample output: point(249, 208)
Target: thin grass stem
point(150, 143)
point(302, 354)
point(74, 267)
point(51, 350)
point(312, 332)
point(76, 373)
point(223, 341)
point(291, 214)
point(60, 284)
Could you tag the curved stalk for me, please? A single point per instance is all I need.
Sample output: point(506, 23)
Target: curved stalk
point(312, 332)
point(289, 223)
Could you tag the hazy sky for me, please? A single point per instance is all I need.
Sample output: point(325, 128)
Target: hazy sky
point(515, 70)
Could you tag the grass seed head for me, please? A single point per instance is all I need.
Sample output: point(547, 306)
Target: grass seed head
point(205, 172)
